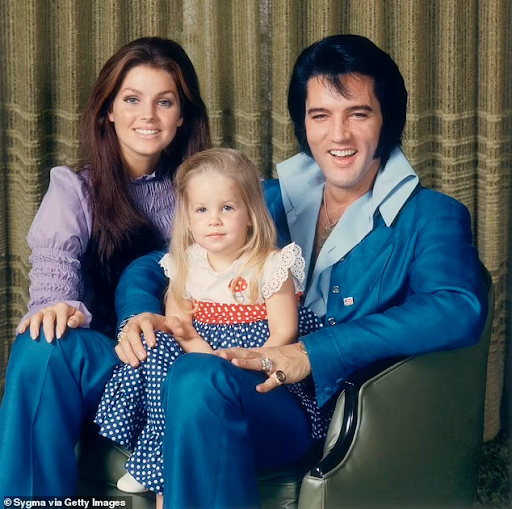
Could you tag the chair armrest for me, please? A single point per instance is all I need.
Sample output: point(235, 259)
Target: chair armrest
point(350, 402)
point(348, 405)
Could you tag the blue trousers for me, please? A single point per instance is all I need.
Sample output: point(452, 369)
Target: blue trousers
point(50, 388)
point(219, 432)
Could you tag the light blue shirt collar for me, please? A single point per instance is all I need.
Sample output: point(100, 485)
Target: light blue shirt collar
point(302, 183)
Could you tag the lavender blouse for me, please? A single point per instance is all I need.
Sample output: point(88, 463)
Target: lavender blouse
point(62, 227)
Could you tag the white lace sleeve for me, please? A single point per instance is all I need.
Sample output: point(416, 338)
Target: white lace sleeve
point(165, 263)
point(279, 265)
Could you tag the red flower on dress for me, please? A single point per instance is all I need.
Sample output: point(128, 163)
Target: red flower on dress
point(240, 285)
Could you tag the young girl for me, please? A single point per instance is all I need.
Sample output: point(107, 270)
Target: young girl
point(229, 286)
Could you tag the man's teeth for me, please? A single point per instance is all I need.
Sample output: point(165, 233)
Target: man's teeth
point(342, 153)
point(146, 131)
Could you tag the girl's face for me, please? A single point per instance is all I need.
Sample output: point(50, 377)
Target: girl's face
point(218, 218)
point(146, 114)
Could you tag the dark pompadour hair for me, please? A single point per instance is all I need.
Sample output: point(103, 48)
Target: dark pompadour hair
point(333, 57)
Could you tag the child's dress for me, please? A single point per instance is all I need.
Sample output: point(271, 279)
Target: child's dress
point(130, 411)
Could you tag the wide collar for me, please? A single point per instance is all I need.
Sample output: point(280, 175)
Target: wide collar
point(302, 183)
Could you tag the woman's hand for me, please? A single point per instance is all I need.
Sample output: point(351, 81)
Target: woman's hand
point(129, 347)
point(55, 320)
point(283, 364)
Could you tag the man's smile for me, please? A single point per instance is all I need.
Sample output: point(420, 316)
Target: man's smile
point(343, 153)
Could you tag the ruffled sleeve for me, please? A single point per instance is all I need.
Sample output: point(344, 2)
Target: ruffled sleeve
point(58, 237)
point(165, 263)
point(278, 267)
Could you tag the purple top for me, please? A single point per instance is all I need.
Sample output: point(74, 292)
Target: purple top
point(62, 228)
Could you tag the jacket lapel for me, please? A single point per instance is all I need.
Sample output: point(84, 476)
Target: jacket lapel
point(301, 183)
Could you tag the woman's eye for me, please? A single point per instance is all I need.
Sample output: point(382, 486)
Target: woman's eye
point(166, 103)
point(131, 100)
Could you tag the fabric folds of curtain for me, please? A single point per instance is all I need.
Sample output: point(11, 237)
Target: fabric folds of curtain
point(455, 56)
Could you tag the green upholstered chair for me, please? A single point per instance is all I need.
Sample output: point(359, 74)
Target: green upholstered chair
point(405, 433)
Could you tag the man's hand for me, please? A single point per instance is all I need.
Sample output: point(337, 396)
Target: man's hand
point(129, 347)
point(288, 359)
point(55, 320)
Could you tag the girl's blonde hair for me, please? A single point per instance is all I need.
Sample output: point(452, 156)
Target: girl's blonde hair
point(261, 236)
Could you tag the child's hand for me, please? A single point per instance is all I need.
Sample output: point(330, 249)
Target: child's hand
point(191, 341)
point(189, 333)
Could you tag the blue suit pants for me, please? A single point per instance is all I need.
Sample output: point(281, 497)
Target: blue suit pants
point(50, 388)
point(220, 431)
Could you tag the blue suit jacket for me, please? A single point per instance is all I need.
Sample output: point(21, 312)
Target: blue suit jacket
point(405, 289)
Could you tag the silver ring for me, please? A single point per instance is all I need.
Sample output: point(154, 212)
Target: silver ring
point(280, 377)
point(120, 335)
point(266, 364)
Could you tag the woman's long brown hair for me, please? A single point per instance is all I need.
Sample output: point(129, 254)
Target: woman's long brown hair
point(120, 233)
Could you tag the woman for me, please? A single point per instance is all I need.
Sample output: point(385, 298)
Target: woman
point(144, 116)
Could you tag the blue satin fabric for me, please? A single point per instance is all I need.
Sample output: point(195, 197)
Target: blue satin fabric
point(141, 287)
point(220, 431)
point(49, 389)
point(409, 288)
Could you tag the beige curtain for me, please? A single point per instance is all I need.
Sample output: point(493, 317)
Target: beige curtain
point(455, 56)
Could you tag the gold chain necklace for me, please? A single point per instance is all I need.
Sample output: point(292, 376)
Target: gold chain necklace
point(324, 234)
point(329, 225)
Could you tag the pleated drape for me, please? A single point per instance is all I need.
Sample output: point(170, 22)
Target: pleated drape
point(455, 56)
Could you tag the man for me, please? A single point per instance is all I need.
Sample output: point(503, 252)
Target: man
point(391, 271)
